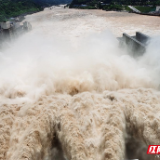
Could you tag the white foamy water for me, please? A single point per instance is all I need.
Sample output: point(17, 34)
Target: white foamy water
point(67, 91)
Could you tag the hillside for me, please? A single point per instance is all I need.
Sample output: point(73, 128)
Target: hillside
point(13, 8)
point(51, 2)
point(110, 4)
point(127, 2)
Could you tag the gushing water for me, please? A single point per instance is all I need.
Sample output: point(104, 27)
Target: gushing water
point(67, 91)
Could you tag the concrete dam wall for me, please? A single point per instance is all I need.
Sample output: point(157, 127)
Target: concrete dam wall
point(11, 30)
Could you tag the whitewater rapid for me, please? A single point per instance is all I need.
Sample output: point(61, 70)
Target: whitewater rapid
point(67, 91)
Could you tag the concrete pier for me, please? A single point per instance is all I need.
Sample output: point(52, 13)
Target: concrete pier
point(142, 38)
point(136, 45)
point(10, 30)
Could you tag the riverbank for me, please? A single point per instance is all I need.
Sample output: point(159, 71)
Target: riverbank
point(9, 9)
point(150, 10)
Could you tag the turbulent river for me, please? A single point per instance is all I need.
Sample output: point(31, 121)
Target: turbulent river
point(68, 92)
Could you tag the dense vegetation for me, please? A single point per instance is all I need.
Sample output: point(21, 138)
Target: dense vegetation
point(115, 4)
point(51, 2)
point(124, 2)
point(145, 9)
point(13, 8)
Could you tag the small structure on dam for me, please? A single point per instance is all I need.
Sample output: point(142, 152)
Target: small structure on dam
point(9, 30)
point(136, 45)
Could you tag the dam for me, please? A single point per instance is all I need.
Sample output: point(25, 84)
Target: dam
point(10, 30)
point(136, 45)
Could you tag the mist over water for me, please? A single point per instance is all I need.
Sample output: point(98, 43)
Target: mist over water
point(37, 65)
point(66, 88)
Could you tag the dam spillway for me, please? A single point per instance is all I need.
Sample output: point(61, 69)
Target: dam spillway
point(10, 30)
point(136, 44)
